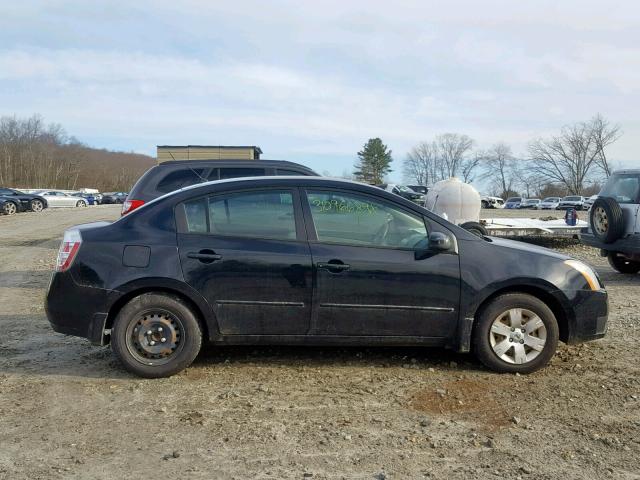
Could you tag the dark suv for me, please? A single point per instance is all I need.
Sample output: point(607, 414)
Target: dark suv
point(169, 176)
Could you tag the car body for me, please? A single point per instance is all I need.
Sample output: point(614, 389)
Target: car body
point(169, 176)
point(513, 202)
point(572, 201)
point(109, 198)
point(589, 201)
point(419, 189)
point(614, 221)
point(487, 201)
point(13, 201)
point(312, 261)
point(530, 203)
point(549, 203)
point(404, 192)
point(91, 198)
point(58, 198)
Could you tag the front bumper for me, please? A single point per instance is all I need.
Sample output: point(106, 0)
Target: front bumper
point(590, 314)
point(78, 310)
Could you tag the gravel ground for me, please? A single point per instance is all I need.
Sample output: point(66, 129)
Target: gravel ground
point(67, 409)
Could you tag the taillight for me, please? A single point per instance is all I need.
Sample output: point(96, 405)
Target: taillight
point(130, 205)
point(68, 250)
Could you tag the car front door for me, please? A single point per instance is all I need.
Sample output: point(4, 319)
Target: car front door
point(52, 199)
point(247, 253)
point(368, 281)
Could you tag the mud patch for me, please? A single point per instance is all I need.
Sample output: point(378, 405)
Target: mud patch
point(463, 399)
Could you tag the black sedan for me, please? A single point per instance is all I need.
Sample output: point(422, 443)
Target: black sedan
point(308, 260)
point(12, 201)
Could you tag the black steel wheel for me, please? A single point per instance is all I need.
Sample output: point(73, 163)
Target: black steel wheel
point(156, 335)
point(475, 227)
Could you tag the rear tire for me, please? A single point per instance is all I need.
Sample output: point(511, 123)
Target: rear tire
point(606, 220)
point(81, 203)
point(621, 264)
point(156, 335)
point(475, 228)
point(500, 342)
point(9, 208)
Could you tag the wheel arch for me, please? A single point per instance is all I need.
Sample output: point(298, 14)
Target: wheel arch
point(198, 306)
point(553, 300)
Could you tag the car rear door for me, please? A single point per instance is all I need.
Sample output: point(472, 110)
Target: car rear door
point(368, 282)
point(247, 254)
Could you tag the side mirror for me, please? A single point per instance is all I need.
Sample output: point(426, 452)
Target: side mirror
point(436, 242)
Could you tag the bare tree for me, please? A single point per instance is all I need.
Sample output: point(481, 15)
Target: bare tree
point(569, 158)
point(453, 148)
point(501, 168)
point(469, 167)
point(604, 135)
point(422, 164)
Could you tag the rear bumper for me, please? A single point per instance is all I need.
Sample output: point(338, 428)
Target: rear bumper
point(591, 311)
point(629, 244)
point(78, 310)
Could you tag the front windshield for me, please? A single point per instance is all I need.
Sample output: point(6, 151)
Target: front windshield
point(573, 199)
point(625, 188)
point(551, 199)
point(513, 199)
point(405, 189)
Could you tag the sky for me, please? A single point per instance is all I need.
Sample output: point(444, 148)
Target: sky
point(311, 81)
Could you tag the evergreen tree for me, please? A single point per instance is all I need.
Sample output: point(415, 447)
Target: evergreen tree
point(374, 162)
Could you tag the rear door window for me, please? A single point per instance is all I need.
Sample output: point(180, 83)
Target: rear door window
point(179, 179)
point(258, 214)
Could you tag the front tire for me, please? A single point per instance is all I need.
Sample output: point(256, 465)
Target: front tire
point(36, 205)
point(156, 335)
point(515, 333)
point(81, 203)
point(621, 264)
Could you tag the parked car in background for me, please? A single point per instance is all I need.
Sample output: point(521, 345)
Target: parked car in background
point(169, 176)
point(89, 197)
point(589, 201)
point(419, 189)
point(311, 260)
point(572, 201)
point(531, 203)
point(56, 198)
point(549, 203)
point(513, 202)
point(614, 221)
point(13, 201)
point(487, 201)
point(113, 197)
point(404, 192)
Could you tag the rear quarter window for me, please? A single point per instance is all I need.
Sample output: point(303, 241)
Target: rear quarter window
point(236, 172)
point(179, 179)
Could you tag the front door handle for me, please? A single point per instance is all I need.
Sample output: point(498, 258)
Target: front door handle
point(205, 256)
point(334, 266)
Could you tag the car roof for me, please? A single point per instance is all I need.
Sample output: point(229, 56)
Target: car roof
point(237, 163)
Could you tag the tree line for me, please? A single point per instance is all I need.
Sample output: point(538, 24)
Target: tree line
point(574, 161)
point(36, 155)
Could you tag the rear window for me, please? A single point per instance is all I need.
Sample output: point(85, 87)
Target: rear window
point(179, 179)
point(624, 188)
point(572, 199)
point(235, 172)
point(259, 214)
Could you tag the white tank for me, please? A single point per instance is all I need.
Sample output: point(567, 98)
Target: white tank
point(454, 200)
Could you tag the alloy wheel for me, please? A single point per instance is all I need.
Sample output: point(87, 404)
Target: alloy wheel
point(517, 336)
point(10, 208)
point(600, 220)
point(36, 206)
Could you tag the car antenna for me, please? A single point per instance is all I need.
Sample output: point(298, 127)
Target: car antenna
point(190, 168)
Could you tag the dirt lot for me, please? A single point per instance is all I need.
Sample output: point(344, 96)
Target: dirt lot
point(67, 409)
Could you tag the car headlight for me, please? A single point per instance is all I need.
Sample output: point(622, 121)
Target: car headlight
point(587, 272)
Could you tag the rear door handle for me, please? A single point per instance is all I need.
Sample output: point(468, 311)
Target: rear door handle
point(333, 266)
point(205, 256)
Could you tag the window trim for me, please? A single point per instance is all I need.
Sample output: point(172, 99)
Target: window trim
point(311, 226)
point(181, 221)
